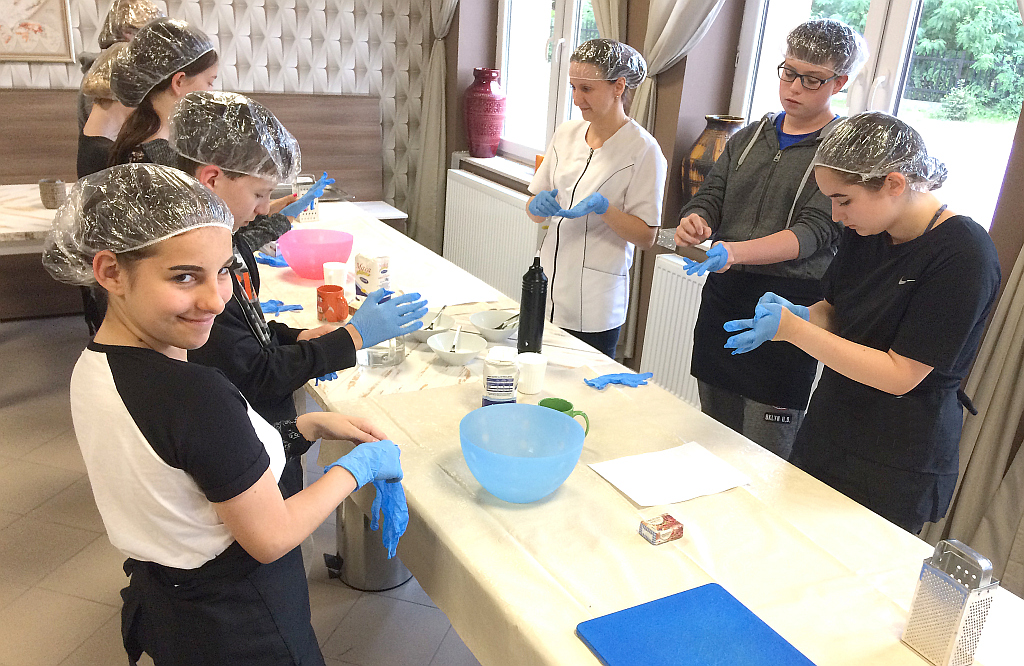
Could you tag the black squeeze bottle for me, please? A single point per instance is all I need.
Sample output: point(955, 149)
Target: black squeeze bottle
point(531, 308)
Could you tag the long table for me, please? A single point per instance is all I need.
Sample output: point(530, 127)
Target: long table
point(831, 577)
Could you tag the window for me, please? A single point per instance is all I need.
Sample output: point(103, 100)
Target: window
point(535, 40)
point(952, 69)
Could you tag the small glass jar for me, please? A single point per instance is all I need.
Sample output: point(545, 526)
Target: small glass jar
point(383, 355)
point(501, 376)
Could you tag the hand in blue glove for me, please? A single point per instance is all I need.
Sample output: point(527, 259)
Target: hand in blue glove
point(756, 331)
point(545, 204)
point(595, 203)
point(277, 307)
point(390, 499)
point(624, 378)
point(801, 311)
point(377, 322)
point(371, 461)
point(306, 200)
point(329, 377)
point(277, 262)
point(718, 257)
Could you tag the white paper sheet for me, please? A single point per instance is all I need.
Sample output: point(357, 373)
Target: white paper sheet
point(670, 476)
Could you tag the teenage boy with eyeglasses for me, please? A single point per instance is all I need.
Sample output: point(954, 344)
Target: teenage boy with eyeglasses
point(773, 232)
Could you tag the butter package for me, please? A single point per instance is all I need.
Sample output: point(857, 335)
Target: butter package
point(371, 274)
point(661, 529)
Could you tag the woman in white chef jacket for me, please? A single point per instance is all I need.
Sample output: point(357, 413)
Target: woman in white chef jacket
point(601, 185)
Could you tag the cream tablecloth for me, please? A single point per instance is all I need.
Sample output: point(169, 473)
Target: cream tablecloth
point(24, 222)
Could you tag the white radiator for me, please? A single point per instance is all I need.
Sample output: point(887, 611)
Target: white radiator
point(668, 340)
point(487, 232)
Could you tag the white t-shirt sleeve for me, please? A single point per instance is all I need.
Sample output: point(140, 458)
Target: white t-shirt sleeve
point(643, 197)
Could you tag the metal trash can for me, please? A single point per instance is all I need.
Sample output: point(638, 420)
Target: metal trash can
point(950, 606)
point(364, 559)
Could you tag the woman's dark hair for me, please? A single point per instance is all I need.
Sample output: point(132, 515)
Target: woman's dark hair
point(144, 122)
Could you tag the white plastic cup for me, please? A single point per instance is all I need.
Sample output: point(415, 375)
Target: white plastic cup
point(531, 372)
point(335, 273)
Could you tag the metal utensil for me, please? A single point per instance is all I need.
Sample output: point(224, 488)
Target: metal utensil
point(511, 321)
point(455, 339)
point(430, 326)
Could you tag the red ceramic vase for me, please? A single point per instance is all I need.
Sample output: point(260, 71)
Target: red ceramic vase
point(484, 108)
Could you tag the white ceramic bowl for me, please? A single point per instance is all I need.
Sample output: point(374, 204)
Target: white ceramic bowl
point(487, 321)
point(443, 323)
point(470, 344)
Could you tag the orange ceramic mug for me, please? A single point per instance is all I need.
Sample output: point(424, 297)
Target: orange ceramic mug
point(330, 303)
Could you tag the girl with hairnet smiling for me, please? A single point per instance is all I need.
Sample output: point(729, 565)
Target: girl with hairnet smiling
point(904, 309)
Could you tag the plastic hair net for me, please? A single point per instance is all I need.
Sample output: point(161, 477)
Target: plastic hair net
point(873, 145)
point(96, 83)
point(125, 208)
point(161, 48)
point(125, 18)
point(828, 43)
point(234, 133)
point(613, 59)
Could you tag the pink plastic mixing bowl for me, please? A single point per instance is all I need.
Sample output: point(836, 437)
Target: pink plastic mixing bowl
point(307, 250)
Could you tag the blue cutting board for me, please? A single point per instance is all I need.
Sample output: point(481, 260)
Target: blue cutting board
point(705, 626)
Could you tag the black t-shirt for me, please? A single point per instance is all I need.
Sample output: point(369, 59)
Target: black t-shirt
point(926, 299)
point(93, 154)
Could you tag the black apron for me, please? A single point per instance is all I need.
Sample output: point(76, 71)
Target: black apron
point(232, 610)
point(778, 373)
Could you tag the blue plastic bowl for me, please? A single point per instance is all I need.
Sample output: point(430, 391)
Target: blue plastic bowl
point(520, 453)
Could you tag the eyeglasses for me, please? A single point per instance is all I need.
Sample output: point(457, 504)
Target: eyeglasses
point(806, 80)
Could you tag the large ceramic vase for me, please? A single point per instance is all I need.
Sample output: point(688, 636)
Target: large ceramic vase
point(485, 112)
point(705, 150)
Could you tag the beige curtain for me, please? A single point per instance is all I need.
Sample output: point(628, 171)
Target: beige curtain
point(426, 213)
point(610, 16)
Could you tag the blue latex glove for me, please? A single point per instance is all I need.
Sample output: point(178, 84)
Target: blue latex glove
point(545, 204)
point(595, 203)
point(801, 311)
point(278, 262)
point(277, 307)
point(307, 200)
point(371, 461)
point(718, 255)
point(390, 500)
point(330, 376)
point(756, 331)
point(624, 378)
point(377, 321)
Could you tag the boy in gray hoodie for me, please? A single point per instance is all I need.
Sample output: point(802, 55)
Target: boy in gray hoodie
point(772, 231)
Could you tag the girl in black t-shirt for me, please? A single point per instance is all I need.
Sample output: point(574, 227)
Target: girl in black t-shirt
point(183, 470)
point(906, 300)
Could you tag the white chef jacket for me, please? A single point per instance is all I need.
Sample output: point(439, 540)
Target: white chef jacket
point(586, 262)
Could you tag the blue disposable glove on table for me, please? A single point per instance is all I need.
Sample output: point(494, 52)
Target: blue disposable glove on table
point(329, 377)
point(277, 262)
point(306, 200)
point(595, 203)
point(377, 322)
point(371, 461)
point(801, 311)
point(718, 255)
point(624, 378)
point(277, 307)
point(545, 204)
point(756, 331)
point(390, 501)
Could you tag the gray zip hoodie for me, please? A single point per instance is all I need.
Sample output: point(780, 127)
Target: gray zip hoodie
point(755, 190)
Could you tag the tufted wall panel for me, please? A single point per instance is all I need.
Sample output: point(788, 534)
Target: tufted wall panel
point(301, 46)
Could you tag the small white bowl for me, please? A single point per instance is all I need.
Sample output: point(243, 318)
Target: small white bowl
point(470, 344)
point(487, 321)
point(443, 323)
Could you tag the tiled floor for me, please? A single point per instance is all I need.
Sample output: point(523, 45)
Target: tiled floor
point(60, 577)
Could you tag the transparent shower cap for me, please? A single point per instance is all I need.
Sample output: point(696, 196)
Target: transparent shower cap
point(828, 43)
point(125, 18)
point(613, 59)
point(874, 144)
point(125, 208)
point(161, 48)
point(234, 133)
point(96, 83)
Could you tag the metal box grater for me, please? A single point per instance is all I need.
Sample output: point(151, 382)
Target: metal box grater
point(300, 187)
point(951, 603)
